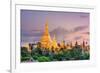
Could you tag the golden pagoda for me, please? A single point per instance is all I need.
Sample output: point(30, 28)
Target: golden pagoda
point(62, 44)
point(45, 40)
point(54, 44)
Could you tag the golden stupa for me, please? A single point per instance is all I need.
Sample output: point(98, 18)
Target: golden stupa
point(54, 43)
point(46, 41)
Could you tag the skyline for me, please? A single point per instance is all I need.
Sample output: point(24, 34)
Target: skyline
point(72, 23)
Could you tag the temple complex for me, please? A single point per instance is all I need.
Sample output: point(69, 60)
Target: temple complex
point(48, 43)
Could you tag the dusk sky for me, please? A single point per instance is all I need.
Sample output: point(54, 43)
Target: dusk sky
point(70, 26)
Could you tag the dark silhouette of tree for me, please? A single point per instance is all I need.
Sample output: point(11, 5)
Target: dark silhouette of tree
point(39, 45)
point(25, 55)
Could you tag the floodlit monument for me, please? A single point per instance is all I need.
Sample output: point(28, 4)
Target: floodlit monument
point(46, 41)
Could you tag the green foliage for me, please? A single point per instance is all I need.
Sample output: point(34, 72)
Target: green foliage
point(45, 56)
point(23, 59)
point(43, 59)
point(25, 55)
point(67, 55)
point(85, 56)
point(76, 53)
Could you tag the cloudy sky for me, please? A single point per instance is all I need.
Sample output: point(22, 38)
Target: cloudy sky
point(68, 26)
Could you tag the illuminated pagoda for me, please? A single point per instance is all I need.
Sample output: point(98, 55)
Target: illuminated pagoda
point(45, 40)
point(54, 44)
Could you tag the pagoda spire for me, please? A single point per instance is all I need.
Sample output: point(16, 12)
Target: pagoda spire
point(54, 43)
point(46, 39)
point(46, 32)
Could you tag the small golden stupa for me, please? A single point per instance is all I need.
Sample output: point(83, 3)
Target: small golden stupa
point(54, 43)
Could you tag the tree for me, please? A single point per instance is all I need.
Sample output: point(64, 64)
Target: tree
point(39, 45)
point(43, 59)
point(85, 56)
point(25, 55)
point(67, 55)
point(76, 52)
